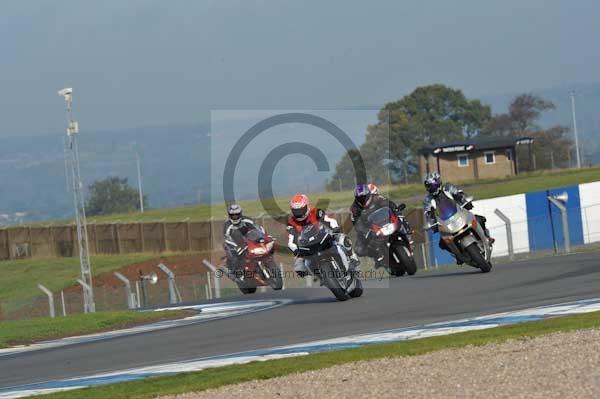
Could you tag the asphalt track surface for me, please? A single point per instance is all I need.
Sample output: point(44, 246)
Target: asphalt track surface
point(315, 314)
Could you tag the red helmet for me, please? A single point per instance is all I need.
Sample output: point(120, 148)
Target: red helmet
point(300, 206)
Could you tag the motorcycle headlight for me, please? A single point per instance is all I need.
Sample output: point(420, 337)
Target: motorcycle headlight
point(388, 229)
point(258, 251)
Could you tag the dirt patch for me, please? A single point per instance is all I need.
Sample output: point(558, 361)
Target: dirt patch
point(184, 267)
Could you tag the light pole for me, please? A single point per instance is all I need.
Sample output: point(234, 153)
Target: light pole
point(572, 94)
point(139, 177)
point(79, 205)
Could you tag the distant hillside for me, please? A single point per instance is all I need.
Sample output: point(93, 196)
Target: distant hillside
point(176, 160)
point(175, 166)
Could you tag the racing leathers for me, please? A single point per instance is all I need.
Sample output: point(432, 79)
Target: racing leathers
point(457, 194)
point(302, 266)
point(359, 216)
point(234, 243)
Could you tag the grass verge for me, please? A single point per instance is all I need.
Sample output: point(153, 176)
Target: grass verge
point(216, 377)
point(23, 332)
point(19, 278)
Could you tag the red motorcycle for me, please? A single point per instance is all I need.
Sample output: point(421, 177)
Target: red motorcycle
point(259, 269)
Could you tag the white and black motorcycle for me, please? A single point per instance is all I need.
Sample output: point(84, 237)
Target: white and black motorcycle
point(461, 232)
point(329, 258)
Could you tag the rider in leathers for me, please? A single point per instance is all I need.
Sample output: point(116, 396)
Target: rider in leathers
point(435, 188)
point(303, 215)
point(234, 230)
point(366, 202)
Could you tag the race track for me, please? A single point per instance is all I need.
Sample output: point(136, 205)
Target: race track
point(314, 314)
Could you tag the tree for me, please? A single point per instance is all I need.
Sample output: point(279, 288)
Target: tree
point(112, 195)
point(551, 146)
point(429, 115)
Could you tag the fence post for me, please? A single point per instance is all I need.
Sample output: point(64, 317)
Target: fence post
point(171, 279)
point(509, 236)
point(128, 293)
point(52, 242)
point(188, 234)
point(210, 296)
point(87, 288)
point(164, 236)
point(30, 239)
point(141, 232)
point(559, 201)
point(117, 237)
point(282, 276)
point(427, 246)
point(10, 251)
point(50, 299)
point(424, 254)
point(62, 300)
point(216, 278)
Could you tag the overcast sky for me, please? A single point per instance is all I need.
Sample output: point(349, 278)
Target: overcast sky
point(139, 63)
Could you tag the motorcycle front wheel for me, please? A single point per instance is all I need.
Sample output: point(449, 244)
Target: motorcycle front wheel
point(330, 277)
point(406, 259)
point(477, 258)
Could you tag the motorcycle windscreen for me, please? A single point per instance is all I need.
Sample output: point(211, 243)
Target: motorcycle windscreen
point(255, 235)
point(309, 235)
point(446, 208)
point(380, 217)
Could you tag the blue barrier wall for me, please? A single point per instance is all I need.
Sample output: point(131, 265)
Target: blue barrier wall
point(544, 219)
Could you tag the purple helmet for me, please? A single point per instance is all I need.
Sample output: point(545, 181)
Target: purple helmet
point(362, 194)
point(433, 182)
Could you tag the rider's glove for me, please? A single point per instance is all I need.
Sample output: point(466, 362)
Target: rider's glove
point(240, 250)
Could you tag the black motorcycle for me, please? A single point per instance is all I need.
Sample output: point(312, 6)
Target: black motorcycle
point(389, 236)
point(328, 254)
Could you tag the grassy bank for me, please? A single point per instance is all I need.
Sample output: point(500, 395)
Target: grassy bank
point(22, 332)
point(19, 278)
point(216, 377)
point(411, 194)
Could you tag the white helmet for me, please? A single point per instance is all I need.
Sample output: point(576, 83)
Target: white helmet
point(235, 213)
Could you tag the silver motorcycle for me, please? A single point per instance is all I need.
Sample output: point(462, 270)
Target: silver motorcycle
point(461, 232)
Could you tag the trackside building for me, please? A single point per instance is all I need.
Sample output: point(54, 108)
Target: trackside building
point(474, 159)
